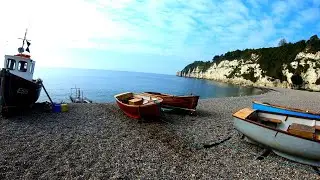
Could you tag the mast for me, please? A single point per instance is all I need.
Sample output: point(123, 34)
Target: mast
point(25, 36)
point(21, 49)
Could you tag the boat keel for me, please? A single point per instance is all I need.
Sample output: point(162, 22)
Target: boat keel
point(310, 162)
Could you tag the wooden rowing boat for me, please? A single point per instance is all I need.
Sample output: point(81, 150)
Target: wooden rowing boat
point(291, 137)
point(263, 106)
point(188, 102)
point(138, 106)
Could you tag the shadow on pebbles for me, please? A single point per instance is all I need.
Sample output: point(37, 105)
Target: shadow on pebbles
point(97, 141)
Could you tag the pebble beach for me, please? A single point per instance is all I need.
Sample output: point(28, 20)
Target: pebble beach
point(97, 141)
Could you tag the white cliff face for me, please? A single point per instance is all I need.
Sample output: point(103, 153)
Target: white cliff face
point(303, 55)
point(239, 67)
point(286, 72)
point(312, 63)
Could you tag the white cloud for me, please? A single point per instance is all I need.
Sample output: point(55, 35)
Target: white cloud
point(192, 29)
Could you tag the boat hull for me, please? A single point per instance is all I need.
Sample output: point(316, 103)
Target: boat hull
point(187, 102)
point(151, 110)
point(288, 146)
point(143, 112)
point(284, 110)
point(18, 92)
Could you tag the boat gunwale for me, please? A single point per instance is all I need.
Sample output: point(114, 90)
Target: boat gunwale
point(169, 95)
point(296, 116)
point(271, 128)
point(286, 108)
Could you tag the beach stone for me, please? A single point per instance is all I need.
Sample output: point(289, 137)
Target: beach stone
point(97, 141)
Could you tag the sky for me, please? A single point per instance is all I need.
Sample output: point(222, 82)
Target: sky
point(159, 36)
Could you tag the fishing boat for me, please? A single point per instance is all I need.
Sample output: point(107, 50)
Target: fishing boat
point(292, 137)
point(263, 106)
point(188, 102)
point(139, 106)
point(76, 96)
point(18, 88)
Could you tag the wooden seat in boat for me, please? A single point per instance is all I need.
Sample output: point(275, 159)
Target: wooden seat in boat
point(270, 120)
point(243, 113)
point(136, 101)
point(302, 130)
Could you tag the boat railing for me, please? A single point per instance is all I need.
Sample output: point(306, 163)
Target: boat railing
point(76, 95)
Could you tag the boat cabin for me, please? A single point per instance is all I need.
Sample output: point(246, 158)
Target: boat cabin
point(20, 65)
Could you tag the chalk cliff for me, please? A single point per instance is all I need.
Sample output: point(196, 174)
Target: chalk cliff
point(253, 68)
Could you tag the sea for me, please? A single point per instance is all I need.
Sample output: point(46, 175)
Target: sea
point(100, 86)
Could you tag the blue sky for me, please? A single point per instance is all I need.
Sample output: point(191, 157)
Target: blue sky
point(160, 36)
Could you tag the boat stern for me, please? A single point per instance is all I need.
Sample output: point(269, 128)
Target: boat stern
point(124, 95)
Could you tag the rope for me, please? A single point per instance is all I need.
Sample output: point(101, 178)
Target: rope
point(46, 91)
point(217, 143)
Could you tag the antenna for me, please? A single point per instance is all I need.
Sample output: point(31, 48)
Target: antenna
point(25, 35)
point(21, 49)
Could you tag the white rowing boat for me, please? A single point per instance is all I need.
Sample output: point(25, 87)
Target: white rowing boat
point(291, 137)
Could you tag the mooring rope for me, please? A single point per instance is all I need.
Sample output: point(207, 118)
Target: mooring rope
point(217, 143)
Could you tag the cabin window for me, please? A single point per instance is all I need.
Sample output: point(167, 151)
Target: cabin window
point(31, 68)
point(11, 64)
point(22, 66)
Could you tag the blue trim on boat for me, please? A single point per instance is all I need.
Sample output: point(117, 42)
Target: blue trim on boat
point(270, 108)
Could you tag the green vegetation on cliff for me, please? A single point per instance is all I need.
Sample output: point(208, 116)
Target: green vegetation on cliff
point(203, 66)
point(271, 60)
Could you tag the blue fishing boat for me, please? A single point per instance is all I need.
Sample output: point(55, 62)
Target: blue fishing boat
point(267, 107)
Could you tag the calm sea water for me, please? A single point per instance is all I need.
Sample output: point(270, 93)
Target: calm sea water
point(102, 85)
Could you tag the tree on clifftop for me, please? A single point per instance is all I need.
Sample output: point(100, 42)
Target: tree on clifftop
point(314, 38)
point(282, 42)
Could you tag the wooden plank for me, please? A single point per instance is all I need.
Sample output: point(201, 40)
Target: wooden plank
point(278, 121)
point(302, 130)
point(243, 113)
point(317, 127)
point(136, 101)
point(302, 127)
